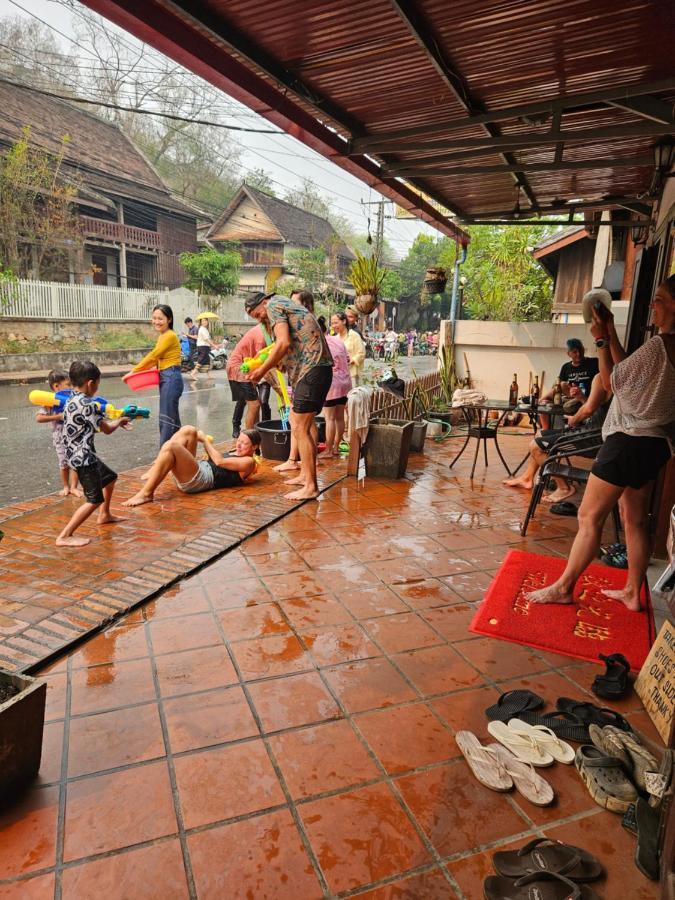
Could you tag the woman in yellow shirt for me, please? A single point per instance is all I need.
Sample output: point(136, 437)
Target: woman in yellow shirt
point(165, 356)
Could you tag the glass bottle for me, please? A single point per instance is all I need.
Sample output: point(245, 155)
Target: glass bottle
point(513, 391)
point(557, 393)
point(534, 396)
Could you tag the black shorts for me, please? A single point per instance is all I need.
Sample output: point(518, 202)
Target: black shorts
point(628, 461)
point(93, 479)
point(243, 390)
point(309, 394)
point(338, 401)
point(204, 356)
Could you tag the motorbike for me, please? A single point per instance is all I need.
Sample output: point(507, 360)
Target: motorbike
point(218, 358)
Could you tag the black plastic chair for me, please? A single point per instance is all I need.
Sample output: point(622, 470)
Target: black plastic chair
point(582, 443)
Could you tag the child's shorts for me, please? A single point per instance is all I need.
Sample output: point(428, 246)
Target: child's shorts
point(60, 447)
point(93, 479)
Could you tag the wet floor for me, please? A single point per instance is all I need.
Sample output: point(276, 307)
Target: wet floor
point(29, 467)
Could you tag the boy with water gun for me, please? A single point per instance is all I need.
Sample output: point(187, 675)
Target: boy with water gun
point(58, 381)
point(82, 418)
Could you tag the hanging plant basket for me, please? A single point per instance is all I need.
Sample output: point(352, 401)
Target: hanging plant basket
point(366, 303)
point(435, 280)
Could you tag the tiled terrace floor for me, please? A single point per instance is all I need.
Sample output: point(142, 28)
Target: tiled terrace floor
point(280, 725)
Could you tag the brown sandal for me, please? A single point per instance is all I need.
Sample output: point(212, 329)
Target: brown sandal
point(542, 885)
point(605, 779)
point(545, 855)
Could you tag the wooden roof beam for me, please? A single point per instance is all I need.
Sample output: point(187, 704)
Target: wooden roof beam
point(443, 170)
point(409, 11)
point(648, 108)
point(393, 140)
point(558, 206)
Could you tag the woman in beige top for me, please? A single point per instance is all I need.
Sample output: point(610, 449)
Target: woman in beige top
point(356, 350)
point(639, 434)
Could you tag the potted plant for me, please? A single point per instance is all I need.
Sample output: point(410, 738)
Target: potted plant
point(22, 717)
point(367, 278)
point(435, 280)
point(416, 410)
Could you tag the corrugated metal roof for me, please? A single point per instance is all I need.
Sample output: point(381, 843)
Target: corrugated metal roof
point(359, 68)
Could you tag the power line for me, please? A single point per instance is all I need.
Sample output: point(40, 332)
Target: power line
point(143, 112)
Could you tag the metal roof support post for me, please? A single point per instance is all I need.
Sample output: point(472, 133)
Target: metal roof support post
point(455, 290)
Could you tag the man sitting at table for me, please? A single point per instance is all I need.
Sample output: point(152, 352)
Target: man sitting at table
point(592, 414)
point(576, 377)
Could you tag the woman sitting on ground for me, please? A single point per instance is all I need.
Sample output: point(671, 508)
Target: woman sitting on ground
point(592, 414)
point(179, 456)
point(336, 401)
point(639, 434)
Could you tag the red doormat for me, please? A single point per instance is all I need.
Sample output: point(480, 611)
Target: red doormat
point(593, 624)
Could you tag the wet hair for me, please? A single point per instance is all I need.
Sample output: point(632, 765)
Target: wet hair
point(81, 372)
point(253, 435)
point(56, 376)
point(304, 297)
point(168, 312)
point(342, 316)
point(322, 323)
point(669, 285)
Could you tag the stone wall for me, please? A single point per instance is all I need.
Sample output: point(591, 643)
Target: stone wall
point(45, 362)
point(53, 331)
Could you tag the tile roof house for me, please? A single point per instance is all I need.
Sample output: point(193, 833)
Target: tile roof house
point(134, 228)
point(268, 230)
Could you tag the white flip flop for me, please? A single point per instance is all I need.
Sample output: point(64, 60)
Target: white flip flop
point(546, 740)
point(522, 745)
point(527, 782)
point(486, 767)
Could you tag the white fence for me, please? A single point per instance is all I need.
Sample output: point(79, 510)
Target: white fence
point(55, 300)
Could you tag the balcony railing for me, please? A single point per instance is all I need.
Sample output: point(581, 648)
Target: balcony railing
point(251, 256)
point(118, 233)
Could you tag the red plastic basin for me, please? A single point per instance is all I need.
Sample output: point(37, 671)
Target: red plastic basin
point(139, 381)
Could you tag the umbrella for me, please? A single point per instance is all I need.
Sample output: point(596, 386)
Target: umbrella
point(207, 315)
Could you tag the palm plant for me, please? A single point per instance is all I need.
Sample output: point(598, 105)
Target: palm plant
point(366, 275)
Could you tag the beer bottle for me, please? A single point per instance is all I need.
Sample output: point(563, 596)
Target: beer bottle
point(534, 396)
point(513, 391)
point(557, 393)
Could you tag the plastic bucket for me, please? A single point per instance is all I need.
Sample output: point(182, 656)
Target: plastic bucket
point(275, 443)
point(321, 428)
point(139, 381)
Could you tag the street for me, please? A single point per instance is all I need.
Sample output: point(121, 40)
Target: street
point(29, 461)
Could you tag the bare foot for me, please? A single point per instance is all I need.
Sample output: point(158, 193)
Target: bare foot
point(289, 466)
point(299, 480)
point(558, 495)
point(77, 492)
point(326, 454)
point(139, 499)
point(551, 594)
point(64, 492)
point(627, 597)
point(109, 519)
point(145, 475)
point(72, 541)
point(518, 482)
point(302, 494)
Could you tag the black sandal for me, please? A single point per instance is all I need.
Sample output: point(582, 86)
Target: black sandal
point(563, 724)
point(589, 714)
point(545, 855)
point(614, 683)
point(544, 885)
point(512, 705)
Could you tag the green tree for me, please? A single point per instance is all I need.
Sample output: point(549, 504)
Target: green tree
point(310, 269)
point(392, 286)
point(261, 180)
point(213, 272)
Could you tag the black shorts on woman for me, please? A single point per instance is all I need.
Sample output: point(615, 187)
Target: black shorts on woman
point(625, 460)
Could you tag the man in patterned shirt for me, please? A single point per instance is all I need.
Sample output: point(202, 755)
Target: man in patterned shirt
point(300, 349)
point(82, 418)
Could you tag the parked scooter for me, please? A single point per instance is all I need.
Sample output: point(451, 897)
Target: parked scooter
point(218, 358)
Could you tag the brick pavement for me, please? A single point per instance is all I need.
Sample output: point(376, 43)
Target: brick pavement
point(280, 724)
point(52, 596)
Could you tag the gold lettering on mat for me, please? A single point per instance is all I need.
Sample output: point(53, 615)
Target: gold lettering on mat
point(531, 582)
point(593, 608)
point(655, 685)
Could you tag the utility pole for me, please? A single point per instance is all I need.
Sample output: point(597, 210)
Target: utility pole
point(379, 228)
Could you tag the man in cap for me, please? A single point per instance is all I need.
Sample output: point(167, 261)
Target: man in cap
point(301, 350)
point(576, 377)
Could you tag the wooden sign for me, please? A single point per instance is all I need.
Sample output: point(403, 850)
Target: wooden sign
point(655, 685)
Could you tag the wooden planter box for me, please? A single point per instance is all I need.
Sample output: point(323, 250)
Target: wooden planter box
point(387, 447)
point(22, 719)
point(419, 435)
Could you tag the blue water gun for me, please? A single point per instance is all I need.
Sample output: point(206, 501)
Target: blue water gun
point(57, 403)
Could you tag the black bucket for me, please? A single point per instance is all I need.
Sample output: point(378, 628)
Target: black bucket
point(321, 428)
point(275, 443)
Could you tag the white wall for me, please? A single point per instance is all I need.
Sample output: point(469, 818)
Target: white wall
point(495, 350)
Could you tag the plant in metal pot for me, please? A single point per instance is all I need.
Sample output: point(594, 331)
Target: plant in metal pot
point(367, 277)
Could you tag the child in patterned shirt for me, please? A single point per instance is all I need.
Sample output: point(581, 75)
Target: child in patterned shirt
point(58, 381)
point(82, 418)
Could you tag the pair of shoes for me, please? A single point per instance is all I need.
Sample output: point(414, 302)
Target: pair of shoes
point(564, 508)
point(589, 714)
point(498, 769)
point(605, 779)
point(523, 704)
point(616, 556)
point(636, 759)
point(545, 869)
point(537, 745)
point(614, 683)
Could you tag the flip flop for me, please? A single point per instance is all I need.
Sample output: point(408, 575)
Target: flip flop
point(545, 855)
point(546, 739)
point(614, 683)
point(512, 704)
point(637, 760)
point(542, 885)
point(647, 850)
point(605, 779)
point(563, 724)
point(485, 766)
point(522, 745)
point(589, 714)
point(527, 782)
point(563, 508)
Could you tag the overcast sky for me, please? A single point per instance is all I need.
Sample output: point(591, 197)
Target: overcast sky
point(284, 158)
